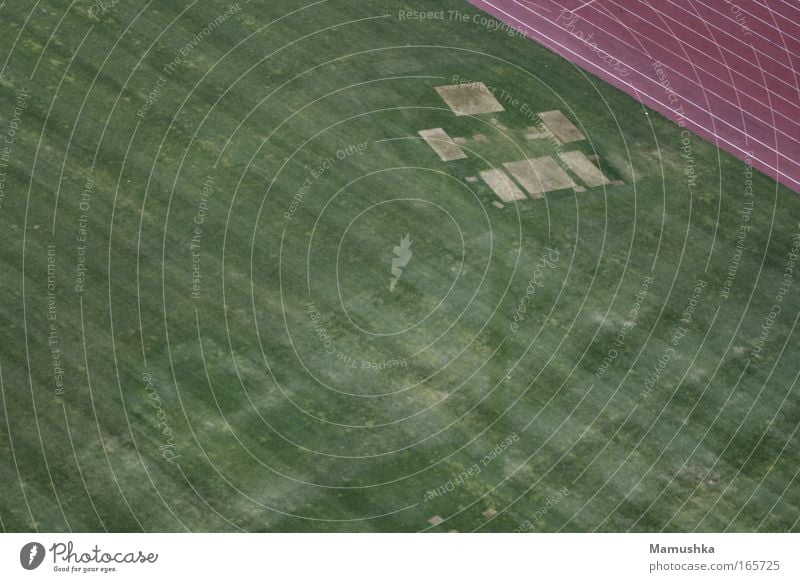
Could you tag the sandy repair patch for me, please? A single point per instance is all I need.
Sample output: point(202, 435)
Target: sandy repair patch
point(584, 168)
point(561, 127)
point(539, 175)
point(471, 99)
point(442, 144)
point(502, 185)
point(536, 132)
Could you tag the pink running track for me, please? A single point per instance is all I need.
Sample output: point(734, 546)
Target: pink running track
point(732, 65)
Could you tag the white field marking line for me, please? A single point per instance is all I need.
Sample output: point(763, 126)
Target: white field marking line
point(702, 87)
point(783, 39)
point(731, 82)
point(722, 63)
point(530, 3)
point(705, 88)
point(725, 15)
point(741, 41)
point(594, 68)
point(711, 57)
point(584, 5)
point(754, 17)
point(730, 70)
point(771, 11)
point(691, 30)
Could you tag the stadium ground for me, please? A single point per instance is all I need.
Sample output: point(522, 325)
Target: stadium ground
point(213, 318)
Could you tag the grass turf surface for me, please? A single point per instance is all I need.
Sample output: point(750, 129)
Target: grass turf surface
point(150, 151)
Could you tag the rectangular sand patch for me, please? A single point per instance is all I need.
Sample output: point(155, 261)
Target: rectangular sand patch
point(441, 143)
point(539, 175)
point(584, 168)
point(502, 185)
point(469, 99)
point(561, 127)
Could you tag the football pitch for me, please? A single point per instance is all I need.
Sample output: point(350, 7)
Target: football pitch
point(364, 266)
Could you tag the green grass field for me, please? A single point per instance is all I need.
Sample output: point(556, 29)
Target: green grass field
point(198, 227)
